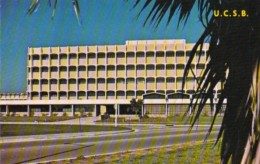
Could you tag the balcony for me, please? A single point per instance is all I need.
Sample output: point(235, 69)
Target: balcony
point(150, 58)
point(82, 87)
point(92, 59)
point(111, 73)
point(120, 58)
point(120, 84)
point(111, 59)
point(130, 84)
point(63, 87)
point(35, 63)
point(101, 59)
point(54, 87)
point(111, 86)
point(73, 60)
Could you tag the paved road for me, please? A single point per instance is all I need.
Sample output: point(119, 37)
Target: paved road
point(142, 137)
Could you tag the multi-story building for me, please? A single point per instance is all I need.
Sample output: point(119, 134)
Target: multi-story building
point(95, 78)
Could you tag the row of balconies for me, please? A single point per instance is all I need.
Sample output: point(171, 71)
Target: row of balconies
point(133, 46)
point(63, 95)
point(111, 73)
point(121, 85)
point(119, 66)
point(114, 61)
point(86, 95)
point(13, 96)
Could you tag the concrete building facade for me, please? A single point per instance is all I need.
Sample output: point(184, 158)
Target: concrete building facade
point(96, 78)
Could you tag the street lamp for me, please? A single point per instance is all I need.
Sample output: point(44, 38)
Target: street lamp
point(166, 110)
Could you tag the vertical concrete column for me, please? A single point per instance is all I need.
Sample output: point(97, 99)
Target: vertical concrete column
point(28, 110)
point(118, 110)
point(95, 111)
point(166, 109)
point(142, 110)
point(50, 110)
point(72, 110)
point(6, 109)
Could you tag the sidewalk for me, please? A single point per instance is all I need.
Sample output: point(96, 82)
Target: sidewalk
point(45, 137)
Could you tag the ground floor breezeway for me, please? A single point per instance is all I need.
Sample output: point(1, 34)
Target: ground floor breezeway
point(160, 110)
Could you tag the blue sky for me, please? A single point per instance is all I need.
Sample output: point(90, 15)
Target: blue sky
point(103, 22)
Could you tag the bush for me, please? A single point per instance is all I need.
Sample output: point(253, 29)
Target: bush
point(7, 114)
point(82, 114)
point(13, 114)
point(44, 114)
point(31, 113)
point(65, 114)
point(25, 115)
point(89, 114)
point(146, 115)
point(54, 114)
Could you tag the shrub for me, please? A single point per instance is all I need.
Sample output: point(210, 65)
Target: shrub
point(82, 114)
point(44, 114)
point(54, 114)
point(7, 114)
point(13, 114)
point(31, 113)
point(65, 114)
point(146, 115)
point(25, 115)
point(89, 114)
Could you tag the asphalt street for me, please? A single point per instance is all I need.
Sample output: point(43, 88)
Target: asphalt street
point(65, 148)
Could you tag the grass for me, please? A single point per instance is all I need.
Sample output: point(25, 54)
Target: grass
point(185, 153)
point(35, 118)
point(177, 120)
point(35, 129)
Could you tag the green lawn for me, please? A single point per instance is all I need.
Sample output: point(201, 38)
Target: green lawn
point(187, 153)
point(27, 129)
point(177, 120)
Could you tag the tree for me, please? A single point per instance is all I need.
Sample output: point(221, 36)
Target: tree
point(234, 54)
point(233, 60)
point(36, 3)
point(136, 106)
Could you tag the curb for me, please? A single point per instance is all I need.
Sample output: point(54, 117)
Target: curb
point(50, 137)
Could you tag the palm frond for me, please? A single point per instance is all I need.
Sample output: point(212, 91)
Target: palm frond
point(54, 8)
point(75, 4)
point(234, 49)
point(33, 6)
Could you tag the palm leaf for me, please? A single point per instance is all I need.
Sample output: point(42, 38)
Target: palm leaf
point(234, 49)
point(54, 8)
point(33, 6)
point(76, 9)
